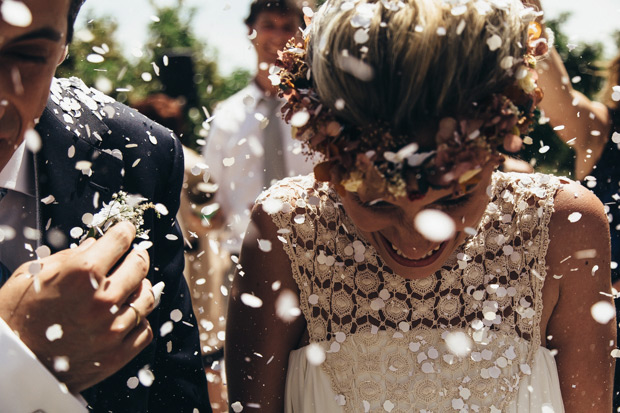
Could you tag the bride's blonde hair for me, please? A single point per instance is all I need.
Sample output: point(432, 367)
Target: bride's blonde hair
point(409, 63)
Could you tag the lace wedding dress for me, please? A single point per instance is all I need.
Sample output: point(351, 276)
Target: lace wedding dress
point(465, 339)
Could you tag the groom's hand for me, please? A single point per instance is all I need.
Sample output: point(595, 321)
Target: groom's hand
point(76, 307)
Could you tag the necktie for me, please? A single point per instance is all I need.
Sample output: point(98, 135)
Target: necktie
point(4, 271)
point(274, 166)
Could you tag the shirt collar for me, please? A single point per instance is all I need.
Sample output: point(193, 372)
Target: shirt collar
point(18, 173)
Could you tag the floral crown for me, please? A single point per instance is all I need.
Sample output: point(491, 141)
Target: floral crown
point(385, 161)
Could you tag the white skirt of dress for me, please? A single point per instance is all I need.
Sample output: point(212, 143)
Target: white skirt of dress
point(309, 390)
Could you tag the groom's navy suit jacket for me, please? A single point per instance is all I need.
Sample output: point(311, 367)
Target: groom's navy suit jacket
point(124, 151)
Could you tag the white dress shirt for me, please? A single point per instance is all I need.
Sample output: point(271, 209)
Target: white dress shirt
point(234, 153)
point(25, 384)
point(18, 222)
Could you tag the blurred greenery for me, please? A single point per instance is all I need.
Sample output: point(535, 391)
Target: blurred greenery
point(174, 61)
point(98, 40)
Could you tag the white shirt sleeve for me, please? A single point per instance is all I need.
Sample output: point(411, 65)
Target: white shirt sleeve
point(26, 385)
point(213, 151)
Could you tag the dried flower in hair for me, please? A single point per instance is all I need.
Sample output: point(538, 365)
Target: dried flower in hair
point(374, 156)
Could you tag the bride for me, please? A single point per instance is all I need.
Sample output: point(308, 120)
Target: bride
point(407, 274)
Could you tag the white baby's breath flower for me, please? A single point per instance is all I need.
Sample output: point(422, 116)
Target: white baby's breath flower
point(528, 83)
point(122, 207)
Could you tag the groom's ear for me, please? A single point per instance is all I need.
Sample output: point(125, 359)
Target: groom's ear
point(63, 55)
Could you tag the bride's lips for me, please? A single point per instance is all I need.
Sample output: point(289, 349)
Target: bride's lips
point(406, 262)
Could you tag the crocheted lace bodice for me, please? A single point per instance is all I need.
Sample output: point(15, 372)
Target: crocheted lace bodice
point(460, 339)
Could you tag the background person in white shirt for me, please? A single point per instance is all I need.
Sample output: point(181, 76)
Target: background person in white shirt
point(236, 146)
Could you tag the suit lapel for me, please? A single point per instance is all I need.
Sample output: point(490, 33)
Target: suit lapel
point(74, 176)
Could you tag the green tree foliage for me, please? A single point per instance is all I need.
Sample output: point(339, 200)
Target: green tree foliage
point(171, 37)
point(113, 73)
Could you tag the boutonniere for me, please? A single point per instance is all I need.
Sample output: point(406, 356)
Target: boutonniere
point(123, 207)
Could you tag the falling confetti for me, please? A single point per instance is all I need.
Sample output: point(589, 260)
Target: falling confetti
point(585, 254)
point(458, 343)
point(157, 291)
point(287, 306)
point(434, 225)
point(315, 354)
point(251, 300)
point(574, 217)
point(300, 118)
point(95, 58)
point(15, 13)
point(264, 245)
point(61, 363)
point(34, 267)
point(43, 252)
point(388, 406)
point(603, 312)
point(176, 315)
point(146, 376)
point(76, 232)
point(361, 36)
point(272, 206)
point(48, 200)
point(166, 328)
point(144, 245)
point(54, 332)
point(494, 42)
point(33, 140)
point(356, 67)
point(133, 382)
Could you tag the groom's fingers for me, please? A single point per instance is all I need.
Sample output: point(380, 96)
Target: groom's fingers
point(103, 255)
point(135, 309)
point(128, 277)
point(138, 338)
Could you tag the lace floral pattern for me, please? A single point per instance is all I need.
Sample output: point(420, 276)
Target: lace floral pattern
point(387, 339)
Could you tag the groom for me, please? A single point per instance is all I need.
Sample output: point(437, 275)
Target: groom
point(83, 311)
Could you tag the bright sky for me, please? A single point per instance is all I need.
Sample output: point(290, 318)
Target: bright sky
point(220, 24)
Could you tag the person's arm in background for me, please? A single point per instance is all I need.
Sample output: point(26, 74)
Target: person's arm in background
point(583, 124)
point(258, 341)
point(97, 331)
point(213, 154)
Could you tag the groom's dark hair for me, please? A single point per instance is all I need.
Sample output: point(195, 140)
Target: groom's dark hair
point(280, 6)
point(74, 9)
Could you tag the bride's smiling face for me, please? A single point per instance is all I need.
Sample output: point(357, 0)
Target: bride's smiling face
point(388, 224)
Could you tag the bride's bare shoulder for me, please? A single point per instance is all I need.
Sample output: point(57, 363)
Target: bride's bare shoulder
point(578, 265)
point(576, 209)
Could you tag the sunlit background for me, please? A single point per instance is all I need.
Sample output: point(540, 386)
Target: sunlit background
point(220, 24)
